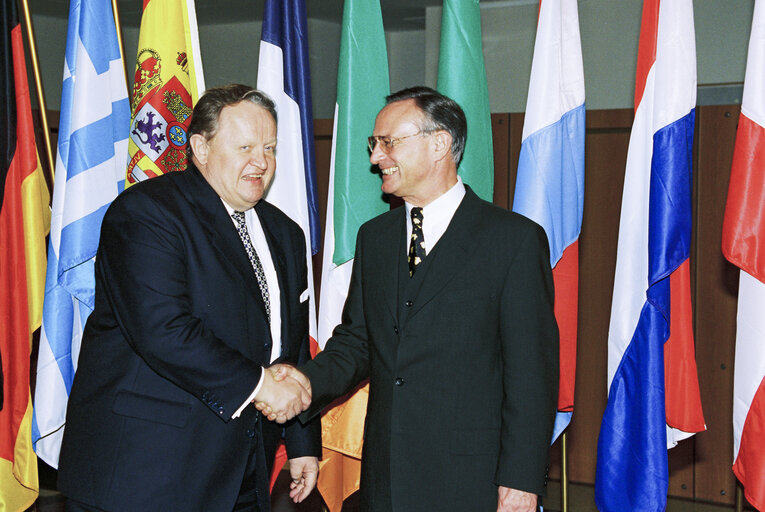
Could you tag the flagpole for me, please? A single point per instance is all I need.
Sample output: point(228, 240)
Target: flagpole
point(563, 473)
point(38, 85)
point(739, 497)
point(116, 12)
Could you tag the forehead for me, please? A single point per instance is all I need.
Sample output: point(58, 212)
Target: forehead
point(246, 119)
point(396, 117)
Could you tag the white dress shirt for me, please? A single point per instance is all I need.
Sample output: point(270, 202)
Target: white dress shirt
point(259, 242)
point(437, 215)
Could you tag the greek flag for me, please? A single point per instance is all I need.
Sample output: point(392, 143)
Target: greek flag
point(90, 172)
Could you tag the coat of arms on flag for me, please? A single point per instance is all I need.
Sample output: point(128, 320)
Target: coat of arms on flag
point(158, 128)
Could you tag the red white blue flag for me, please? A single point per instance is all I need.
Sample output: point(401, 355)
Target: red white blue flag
point(744, 245)
point(653, 398)
point(550, 184)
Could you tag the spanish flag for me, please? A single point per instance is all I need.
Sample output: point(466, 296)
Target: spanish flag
point(168, 81)
point(24, 222)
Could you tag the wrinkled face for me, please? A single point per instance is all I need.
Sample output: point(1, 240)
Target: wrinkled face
point(240, 159)
point(407, 169)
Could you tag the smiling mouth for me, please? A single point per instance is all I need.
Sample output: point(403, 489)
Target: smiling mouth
point(389, 170)
point(255, 176)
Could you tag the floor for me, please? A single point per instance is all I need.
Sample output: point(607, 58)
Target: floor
point(581, 498)
point(52, 501)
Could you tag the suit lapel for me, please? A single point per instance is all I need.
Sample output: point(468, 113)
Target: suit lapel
point(452, 252)
point(220, 230)
point(393, 240)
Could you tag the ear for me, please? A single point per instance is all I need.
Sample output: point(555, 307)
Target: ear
point(199, 147)
point(442, 144)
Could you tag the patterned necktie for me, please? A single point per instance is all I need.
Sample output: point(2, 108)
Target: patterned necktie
point(417, 242)
point(241, 228)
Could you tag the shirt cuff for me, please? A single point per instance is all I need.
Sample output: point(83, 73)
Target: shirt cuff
point(251, 397)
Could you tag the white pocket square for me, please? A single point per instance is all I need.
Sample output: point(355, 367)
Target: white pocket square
point(304, 295)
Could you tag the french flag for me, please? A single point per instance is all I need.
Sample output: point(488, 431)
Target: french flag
point(653, 398)
point(550, 184)
point(284, 74)
point(744, 246)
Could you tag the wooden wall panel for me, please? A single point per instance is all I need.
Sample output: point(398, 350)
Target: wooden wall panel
point(500, 128)
point(716, 291)
point(322, 133)
point(607, 138)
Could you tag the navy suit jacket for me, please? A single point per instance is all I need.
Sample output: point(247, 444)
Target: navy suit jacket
point(173, 348)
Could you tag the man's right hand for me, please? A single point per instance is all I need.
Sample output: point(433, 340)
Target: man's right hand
point(285, 393)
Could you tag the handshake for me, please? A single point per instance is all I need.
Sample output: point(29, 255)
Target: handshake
point(285, 393)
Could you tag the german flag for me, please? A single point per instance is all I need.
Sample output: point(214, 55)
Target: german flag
point(24, 222)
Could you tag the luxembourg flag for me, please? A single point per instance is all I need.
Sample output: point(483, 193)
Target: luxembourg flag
point(549, 188)
point(90, 172)
point(653, 399)
point(744, 246)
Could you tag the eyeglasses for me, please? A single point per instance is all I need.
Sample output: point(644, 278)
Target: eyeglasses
point(387, 143)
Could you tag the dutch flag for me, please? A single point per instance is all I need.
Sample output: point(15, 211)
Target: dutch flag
point(650, 334)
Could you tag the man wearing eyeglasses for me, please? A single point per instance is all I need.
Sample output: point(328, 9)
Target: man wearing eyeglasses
point(450, 316)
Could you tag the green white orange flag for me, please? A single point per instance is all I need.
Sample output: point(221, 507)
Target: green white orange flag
point(24, 222)
point(168, 82)
point(354, 197)
point(462, 77)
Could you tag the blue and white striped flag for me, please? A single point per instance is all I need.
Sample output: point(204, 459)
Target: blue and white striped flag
point(90, 172)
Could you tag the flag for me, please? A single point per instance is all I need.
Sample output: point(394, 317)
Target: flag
point(284, 74)
point(90, 172)
point(168, 81)
point(24, 222)
point(653, 398)
point(462, 77)
point(354, 197)
point(744, 246)
point(549, 188)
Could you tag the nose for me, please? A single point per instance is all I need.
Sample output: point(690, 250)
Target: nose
point(377, 155)
point(258, 158)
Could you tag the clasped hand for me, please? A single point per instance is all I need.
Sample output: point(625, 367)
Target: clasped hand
point(285, 393)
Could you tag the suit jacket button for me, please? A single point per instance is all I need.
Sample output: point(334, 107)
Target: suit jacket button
point(250, 433)
point(409, 303)
point(267, 346)
point(399, 381)
point(221, 411)
point(395, 329)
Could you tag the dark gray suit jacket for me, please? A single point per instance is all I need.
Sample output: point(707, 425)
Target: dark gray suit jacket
point(174, 346)
point(462, 361)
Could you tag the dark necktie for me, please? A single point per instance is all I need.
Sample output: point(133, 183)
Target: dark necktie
point(417, 242)
point(241, 228)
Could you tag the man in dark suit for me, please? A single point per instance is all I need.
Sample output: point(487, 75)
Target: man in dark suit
point(200, 284)
point(450, 316)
